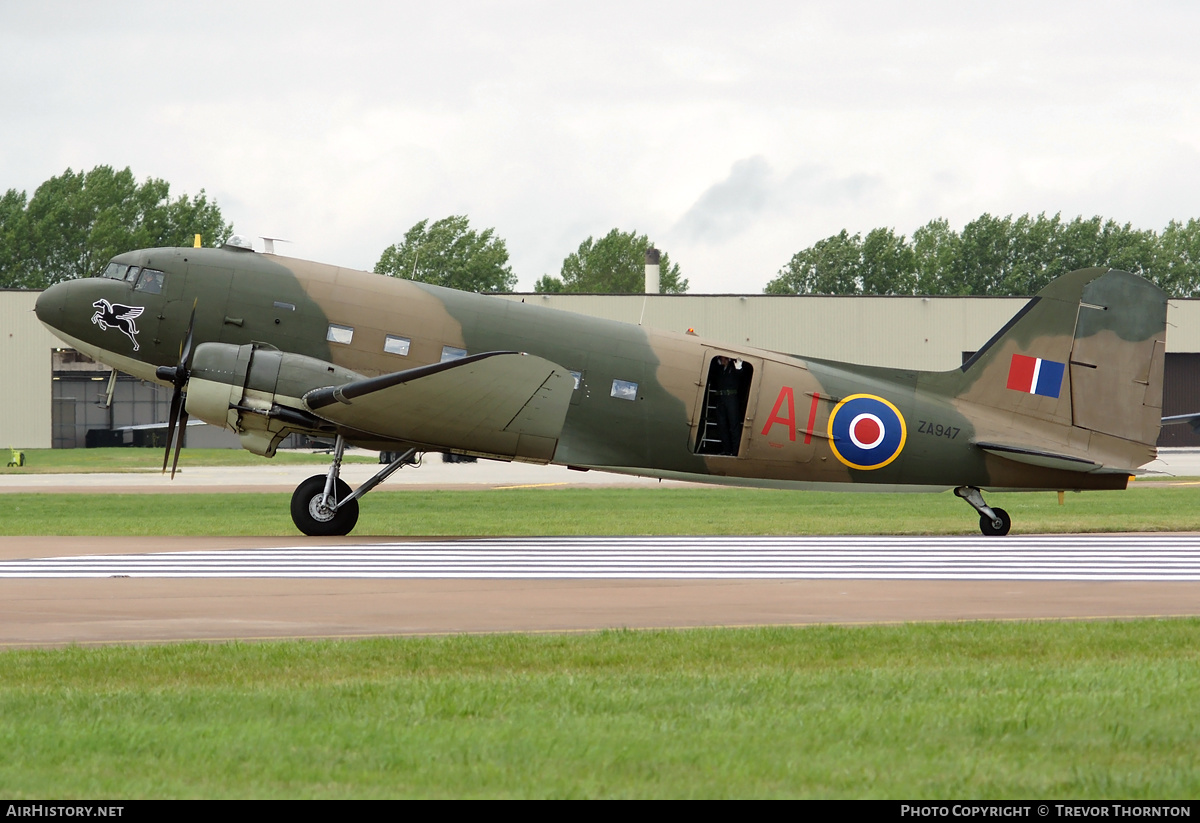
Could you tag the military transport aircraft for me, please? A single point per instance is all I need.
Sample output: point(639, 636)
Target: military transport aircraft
point(1067, 395)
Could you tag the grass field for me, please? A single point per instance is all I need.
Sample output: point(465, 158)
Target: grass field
point(978, 710)
point(605, 511)
point(1154, 506)
point(90, 461)
point(982, 710)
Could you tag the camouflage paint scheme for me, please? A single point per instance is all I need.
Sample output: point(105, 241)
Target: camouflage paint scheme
point(514, 395)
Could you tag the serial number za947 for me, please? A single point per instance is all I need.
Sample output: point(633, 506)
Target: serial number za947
point(937, 429)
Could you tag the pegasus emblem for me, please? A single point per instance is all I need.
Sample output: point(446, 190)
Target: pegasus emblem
point(118, 317)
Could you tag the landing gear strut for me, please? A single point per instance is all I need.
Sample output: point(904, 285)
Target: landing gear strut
point(324, 506)
point(992, 522)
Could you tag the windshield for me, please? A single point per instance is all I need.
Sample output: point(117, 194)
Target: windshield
point(115, 271)
point(150, 282)
point(146, 280)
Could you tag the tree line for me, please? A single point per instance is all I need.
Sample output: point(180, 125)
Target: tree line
point(76, 221)
point(450, 253)
point(992, 256)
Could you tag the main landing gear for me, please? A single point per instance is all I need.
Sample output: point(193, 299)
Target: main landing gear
point(324, 506)
point(992, 522)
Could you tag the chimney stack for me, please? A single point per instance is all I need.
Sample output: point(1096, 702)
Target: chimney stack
point(652, 271)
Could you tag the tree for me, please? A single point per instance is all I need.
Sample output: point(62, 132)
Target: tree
point(992, 260)
point(13, 251)
point(889, 264)
point(75, 222)
point(829, 266)
point(548, 285)
point(450, 253)
point(614, 264)
point(1140, 251)
point(991, 256)
point(1177, 265)
point(937, 249)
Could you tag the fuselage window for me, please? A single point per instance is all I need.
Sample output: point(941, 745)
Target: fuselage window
point(624, 390)
point(396, 345)
point(339, 334)
point(150, 282)
point(452, 353)
point(578, 375)
point(115, 271)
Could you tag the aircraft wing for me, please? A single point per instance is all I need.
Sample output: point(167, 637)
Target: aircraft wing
point(504, 404)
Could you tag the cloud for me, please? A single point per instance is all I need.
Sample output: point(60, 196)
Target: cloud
point(753, 191)
point(732, 143)
point(727, 207)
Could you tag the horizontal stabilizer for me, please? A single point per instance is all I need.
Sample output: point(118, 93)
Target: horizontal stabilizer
point(1192, 420)
point(503, 404)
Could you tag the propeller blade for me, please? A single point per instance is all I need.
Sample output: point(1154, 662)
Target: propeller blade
point(183, 420)
point(176, 404)
point(179, 377)
point(185, 352)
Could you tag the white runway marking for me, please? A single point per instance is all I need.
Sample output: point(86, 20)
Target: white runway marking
point(1078, 557)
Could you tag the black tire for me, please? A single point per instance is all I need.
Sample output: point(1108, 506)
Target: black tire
point(310, 519)
point(990, 528)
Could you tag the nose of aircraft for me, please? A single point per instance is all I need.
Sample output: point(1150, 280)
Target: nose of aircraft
point(51, 304)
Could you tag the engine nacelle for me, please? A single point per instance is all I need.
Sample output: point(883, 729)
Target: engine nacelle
point(255, 390)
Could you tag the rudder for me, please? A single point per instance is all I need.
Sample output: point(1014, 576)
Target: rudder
point(1118, 357)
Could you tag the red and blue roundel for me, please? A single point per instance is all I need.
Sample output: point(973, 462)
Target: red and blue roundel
point(867, 431)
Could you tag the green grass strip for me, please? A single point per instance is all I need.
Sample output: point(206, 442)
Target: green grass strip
point(605, 511)
point(977, 710)
point(90, 461)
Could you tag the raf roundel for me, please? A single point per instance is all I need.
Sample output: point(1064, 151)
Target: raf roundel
point(867, 432)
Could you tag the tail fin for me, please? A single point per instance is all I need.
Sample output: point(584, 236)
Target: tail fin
point(1086, 352)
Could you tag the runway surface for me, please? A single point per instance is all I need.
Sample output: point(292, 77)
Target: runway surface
point(56, 591)
point(1152, 557)
point(61, 590)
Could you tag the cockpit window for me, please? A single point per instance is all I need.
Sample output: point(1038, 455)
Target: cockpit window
point(150, 282)
point(132, 274)
point(115, 271)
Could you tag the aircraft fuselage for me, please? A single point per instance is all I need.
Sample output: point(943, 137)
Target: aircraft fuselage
point(645, 402)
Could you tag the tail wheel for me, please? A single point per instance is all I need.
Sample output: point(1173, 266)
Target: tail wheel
point(998, 527)
point(313, 517)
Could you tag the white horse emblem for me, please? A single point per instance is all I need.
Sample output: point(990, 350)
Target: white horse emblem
point(118, 317)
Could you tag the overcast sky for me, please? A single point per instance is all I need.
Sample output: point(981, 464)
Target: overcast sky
point(733, 134)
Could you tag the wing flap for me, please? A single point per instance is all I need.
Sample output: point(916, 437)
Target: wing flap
point(503, 404)
point(1044, 459)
